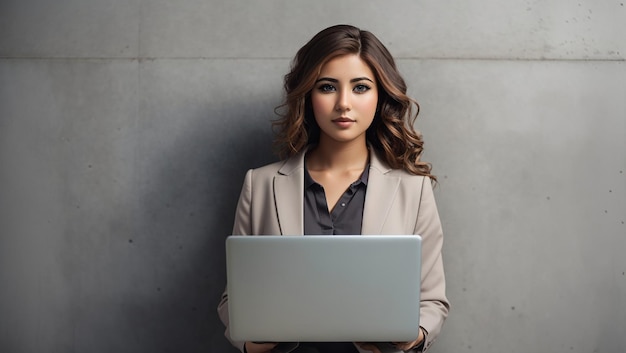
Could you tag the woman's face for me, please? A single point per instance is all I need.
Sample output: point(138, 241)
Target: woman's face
point(344, 99)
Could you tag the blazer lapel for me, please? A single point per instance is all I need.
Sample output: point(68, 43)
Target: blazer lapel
point(381, 191)
point(289, 196)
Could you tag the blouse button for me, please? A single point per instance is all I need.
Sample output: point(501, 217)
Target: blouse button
point(343, 204)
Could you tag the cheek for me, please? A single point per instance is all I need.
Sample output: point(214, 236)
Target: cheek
point(369, 105)
point(320, 104)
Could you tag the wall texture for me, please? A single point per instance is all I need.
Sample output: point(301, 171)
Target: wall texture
point(126, 128)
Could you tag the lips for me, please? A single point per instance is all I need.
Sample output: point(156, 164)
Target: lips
point(343, 120)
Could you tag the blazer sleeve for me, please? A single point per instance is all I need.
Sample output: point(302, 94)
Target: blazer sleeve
point(242, 226)
point(434, 305)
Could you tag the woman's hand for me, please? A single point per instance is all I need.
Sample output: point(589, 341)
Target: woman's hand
point(405, 346)
point(266, 347)
point(402, 346)
point(368, 347)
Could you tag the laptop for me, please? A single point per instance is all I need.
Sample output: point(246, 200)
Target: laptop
point(324, 288)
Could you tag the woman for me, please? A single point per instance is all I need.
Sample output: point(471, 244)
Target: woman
point(352, 167)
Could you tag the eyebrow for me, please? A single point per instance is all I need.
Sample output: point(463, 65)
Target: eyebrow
point(334, 80)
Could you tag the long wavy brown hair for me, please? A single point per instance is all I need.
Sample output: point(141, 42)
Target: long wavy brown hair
point(391, 133)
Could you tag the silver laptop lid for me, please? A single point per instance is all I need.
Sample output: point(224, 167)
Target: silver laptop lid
point(323, 288)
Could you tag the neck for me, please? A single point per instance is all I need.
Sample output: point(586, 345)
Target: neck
point(338, 155)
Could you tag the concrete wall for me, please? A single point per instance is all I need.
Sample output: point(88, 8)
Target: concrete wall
point(126, 128)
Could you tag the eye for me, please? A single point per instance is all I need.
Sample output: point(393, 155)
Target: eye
point(324, 88)
point(361, 88)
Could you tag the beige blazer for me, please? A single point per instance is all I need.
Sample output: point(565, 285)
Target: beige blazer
point(396, 202)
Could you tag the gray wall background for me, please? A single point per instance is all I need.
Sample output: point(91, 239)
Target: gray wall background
point(126, 128)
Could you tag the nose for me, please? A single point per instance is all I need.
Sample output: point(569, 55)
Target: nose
point(343, 101)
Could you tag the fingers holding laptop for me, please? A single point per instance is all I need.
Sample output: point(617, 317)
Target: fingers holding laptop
point(259, 347)
point(389, 347)
point(405, 346)
point(368, 346)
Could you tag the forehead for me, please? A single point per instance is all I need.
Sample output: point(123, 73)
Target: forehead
point(346, 66)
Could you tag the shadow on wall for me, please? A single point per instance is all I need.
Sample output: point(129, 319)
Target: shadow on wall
point(188, 207)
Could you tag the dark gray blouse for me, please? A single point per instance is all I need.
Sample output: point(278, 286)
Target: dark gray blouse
point(347, 215)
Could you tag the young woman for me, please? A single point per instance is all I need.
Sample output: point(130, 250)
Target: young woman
point(352, 167)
